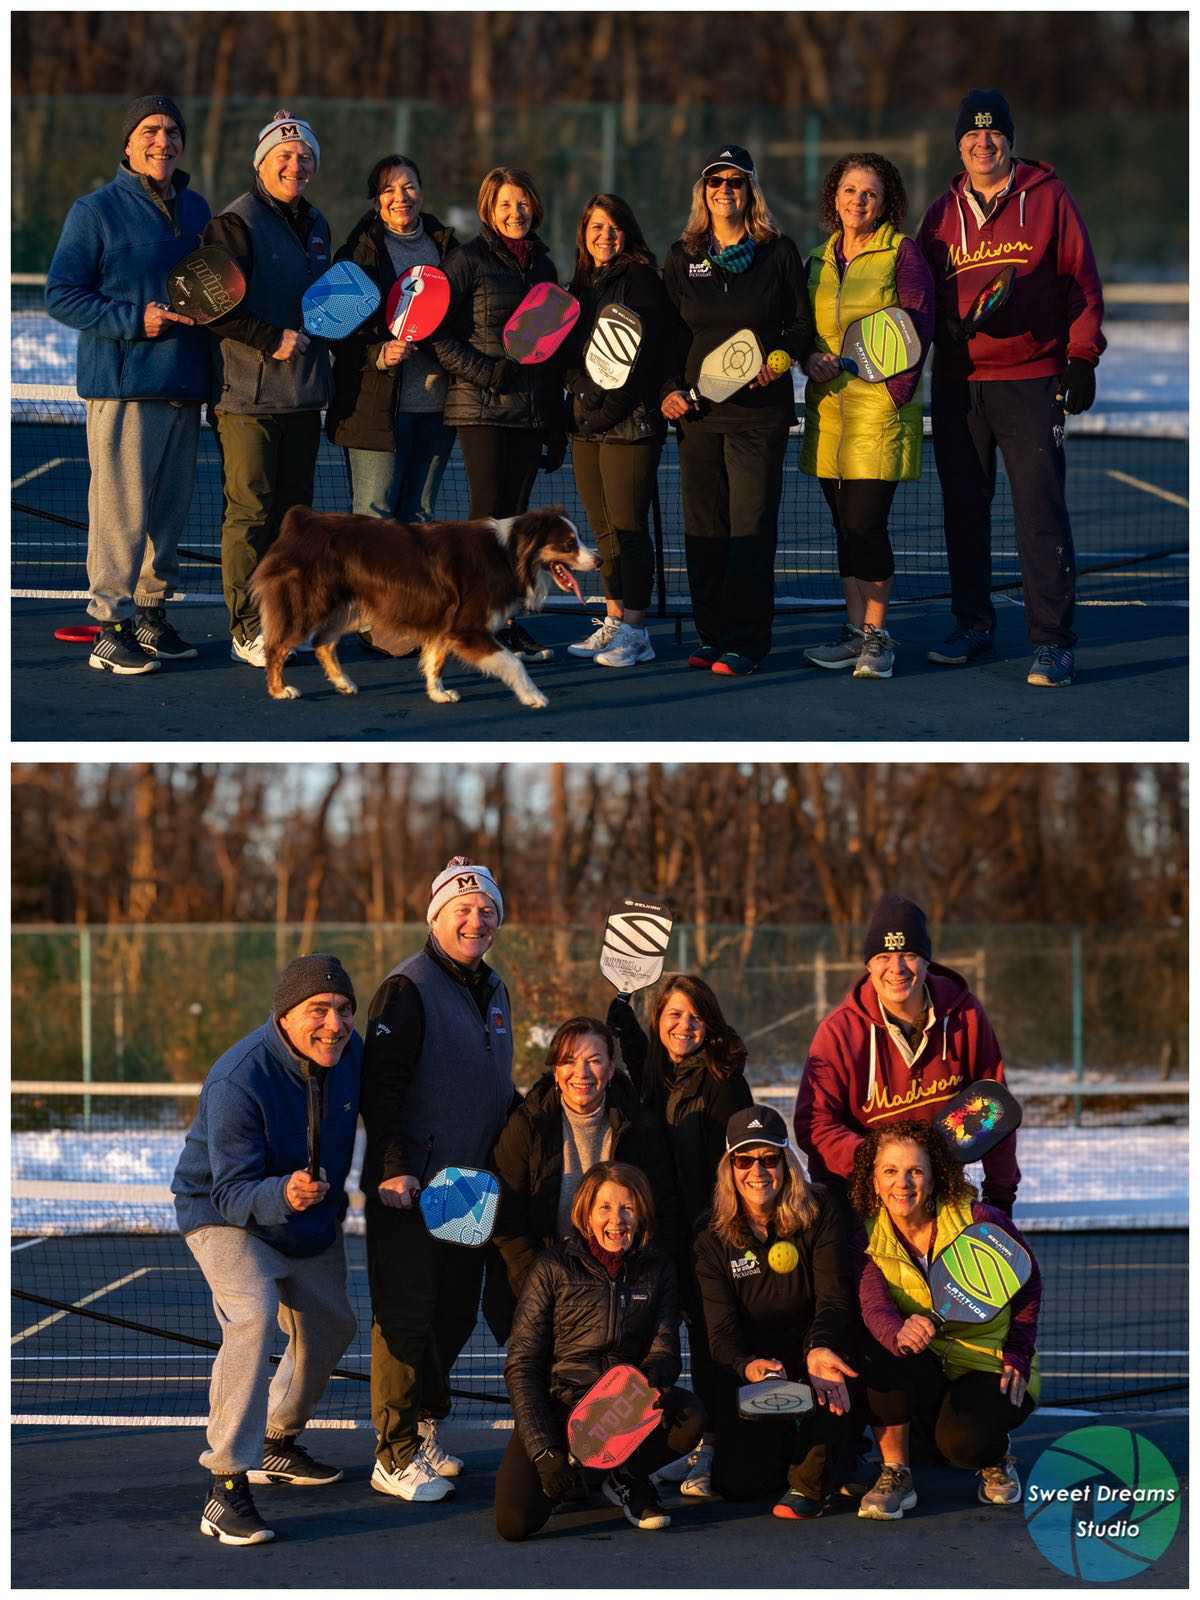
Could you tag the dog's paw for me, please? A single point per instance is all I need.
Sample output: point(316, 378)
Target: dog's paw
point(444, 697)
point(286, 693)
point(534, 701)
point(346, 687)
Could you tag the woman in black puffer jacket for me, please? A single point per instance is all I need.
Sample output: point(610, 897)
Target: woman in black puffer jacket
point(603, 1298)
point(617, 433)
point(510, 418)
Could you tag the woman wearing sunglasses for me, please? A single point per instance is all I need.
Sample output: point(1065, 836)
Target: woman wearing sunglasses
point(771, 1266)
point(730, 269)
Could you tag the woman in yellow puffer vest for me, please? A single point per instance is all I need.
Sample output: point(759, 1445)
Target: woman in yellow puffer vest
point(969, 1386)
point(861, 439)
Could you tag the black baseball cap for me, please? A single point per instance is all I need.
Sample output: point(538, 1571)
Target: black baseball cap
point(729, 155)
point(755, 1125)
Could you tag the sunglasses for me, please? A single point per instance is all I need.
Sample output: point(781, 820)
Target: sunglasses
point(725, 183)
point(745, 1163)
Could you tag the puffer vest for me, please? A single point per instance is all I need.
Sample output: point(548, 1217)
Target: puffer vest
point(976, 1349)
point(854, 429)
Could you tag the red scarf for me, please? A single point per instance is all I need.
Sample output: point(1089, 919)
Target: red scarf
point(610, 1260)
point(521, 248)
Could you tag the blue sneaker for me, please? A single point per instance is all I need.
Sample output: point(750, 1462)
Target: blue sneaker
point(963, 645)
point(1053, 666)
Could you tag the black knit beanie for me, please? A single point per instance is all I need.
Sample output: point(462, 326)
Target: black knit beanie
point(149, 105)
point(984, 108)
point(320, 973)
point(897, 924)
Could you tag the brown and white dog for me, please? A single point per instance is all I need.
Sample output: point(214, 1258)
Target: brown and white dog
point(445, 586)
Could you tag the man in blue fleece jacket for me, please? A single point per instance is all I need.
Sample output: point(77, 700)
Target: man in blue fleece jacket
point(269, 1238)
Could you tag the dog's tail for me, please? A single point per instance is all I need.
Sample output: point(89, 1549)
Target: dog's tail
point(277, 585)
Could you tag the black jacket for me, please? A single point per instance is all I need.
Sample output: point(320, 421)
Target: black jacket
point(574, 1322)
point(486, 287)
point(528, 1160)
point(752, 1311)
point(630, 414)
point(691, 1105)
point(770, 296)
point(364, 398)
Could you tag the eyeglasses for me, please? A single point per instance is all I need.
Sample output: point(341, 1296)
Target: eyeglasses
point(745, 1163)
point(726, 183)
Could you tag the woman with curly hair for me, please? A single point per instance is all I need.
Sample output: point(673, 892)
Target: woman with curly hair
point(969, 1387)
point(772, 1273)
point(731, 268)
point(861, 439)
point(692, 1071)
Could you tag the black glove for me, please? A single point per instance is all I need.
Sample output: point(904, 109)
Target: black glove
point(555, 1473)
point(1078, 388)
point(554, 451)
point(501, 373)
point(951, 329)
point(675, 1404)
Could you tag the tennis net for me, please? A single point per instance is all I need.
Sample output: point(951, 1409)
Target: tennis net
point(113, 1323)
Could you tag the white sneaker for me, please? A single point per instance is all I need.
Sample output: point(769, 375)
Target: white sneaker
point(254, 653)
point(629, 646)
point(698, 1483)
point(606, 630)
point(442, 1462)
point(416, 1481)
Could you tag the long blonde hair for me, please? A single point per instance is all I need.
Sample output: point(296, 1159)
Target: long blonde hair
point(795, 1209)
point(760, 224)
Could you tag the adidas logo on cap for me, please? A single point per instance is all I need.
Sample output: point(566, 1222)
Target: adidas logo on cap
point(754, 1124)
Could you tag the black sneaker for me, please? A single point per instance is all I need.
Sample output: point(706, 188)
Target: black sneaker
point(963, 645)
point(158, 638)
point(229, 1513)
point(523, 645)
point(285, 1461)
point(117, 650)
point(636, 1498)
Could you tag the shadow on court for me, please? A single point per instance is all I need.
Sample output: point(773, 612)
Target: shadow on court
point(1131, 684)
point(122, 1507)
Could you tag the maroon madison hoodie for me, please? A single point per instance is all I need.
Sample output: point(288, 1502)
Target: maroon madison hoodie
point(1056, 306)
point(855, 1078)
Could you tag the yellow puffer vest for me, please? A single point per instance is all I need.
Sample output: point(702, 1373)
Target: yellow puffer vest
point(854, 429)
point(977, 1349)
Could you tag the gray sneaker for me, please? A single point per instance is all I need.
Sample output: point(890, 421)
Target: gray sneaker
point(844, 651)
point(878, 654)
point(890, 1497)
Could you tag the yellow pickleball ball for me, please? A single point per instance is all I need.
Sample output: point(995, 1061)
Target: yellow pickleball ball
point(779, 361)
point(783, 1256)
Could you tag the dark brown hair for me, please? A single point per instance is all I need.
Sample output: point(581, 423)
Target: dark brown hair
point(375, 176)
point(722, 1051)
point(631, 1178)
point(576, 1028)
point(895, 200)
point(634, 249)
point(948, 1180)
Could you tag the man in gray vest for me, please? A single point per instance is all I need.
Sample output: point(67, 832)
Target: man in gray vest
point(275, 380)
point(437, 1089)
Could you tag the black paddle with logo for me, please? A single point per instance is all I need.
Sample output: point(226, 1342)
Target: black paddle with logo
point(312, 1085)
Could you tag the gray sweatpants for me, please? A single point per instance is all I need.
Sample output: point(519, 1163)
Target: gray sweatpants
point(143, 459)
point(253, 1288)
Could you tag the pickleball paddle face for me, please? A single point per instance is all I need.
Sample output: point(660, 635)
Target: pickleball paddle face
point(206, 284)
point(540, 324)
point(990, 298)
point(636, 936)
point(774, 1397)
point(339, 301)
point(881, 346)
point(459, 1205)
point(616, 1414)
point(978, 1117)
point(417, 302)
point(78, 633)
point(613, 347)
point(977, 1274)
point(728, 368)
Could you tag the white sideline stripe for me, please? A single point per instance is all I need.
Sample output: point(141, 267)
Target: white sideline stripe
point(57, 1189)
point(46, 1322)
point(1148, 488)
point(33, 1420)
point(162, 1091)
point(47, 466)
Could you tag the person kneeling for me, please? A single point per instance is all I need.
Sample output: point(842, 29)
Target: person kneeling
point(602, 1298)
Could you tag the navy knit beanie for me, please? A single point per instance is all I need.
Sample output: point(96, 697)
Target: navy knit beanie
point(897, 924)
point(984, 108)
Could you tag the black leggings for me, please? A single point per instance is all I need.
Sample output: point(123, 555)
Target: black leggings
point(859, 508)
point(970, 1417)
point(616, 484)
point(522, 1508)
point(501, 464)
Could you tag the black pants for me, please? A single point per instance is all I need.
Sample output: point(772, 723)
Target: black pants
point(731, 487)
point(859, 508)
point(754, 1459)
point(969, 1418)
point(522, 1508)
point(1025, 419)
point(501, 464)
point(424, 1304)
point(616, 485)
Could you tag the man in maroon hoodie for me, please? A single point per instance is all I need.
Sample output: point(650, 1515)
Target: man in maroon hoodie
point(907, 1037)
point(1011, 383)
